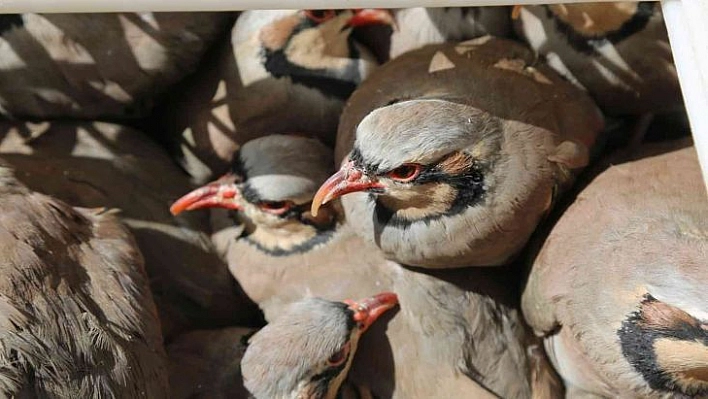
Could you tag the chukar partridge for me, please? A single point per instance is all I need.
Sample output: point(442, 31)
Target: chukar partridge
point(93, 66)
point(618, 289)
point(101, 164)
point(416, 27)
point(618, 51)
point(456, 165)
point(458, 333)
point(77, 319)
point(308, 349)
point(281, 71)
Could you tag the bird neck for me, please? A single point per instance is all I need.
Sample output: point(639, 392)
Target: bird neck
point(288, 238)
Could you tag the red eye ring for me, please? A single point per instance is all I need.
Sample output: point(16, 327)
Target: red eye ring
point(320, 16)
point(339, 356)
point(405, 173)
point(275, 207)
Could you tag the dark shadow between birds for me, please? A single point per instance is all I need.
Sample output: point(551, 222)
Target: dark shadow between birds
point(374, 344)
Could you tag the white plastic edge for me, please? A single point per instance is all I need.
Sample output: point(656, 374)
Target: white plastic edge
point(687, 24)
point(96, 6)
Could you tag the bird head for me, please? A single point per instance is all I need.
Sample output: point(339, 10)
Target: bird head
point(416, 157)
point(271, 186)
point(315, 48)
point(307, 351)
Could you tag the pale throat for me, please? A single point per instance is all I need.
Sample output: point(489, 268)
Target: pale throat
point(420, 202)
point(284, 236)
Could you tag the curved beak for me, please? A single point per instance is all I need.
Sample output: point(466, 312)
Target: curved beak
point(371, 16)
point(219, 194)
point(347, 180)
point(366, 311)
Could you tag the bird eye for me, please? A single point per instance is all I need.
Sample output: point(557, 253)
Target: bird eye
point(319, 16)
point(405, 172)
point(339, 356)
point(275, 207)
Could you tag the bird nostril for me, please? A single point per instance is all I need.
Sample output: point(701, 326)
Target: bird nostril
point(354, 175)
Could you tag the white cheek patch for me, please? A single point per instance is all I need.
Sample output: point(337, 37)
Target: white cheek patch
point(440, 62)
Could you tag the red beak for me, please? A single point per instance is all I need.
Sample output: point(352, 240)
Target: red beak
point(219, 194)
point(348, 179)
point(366, 311)
point(371, 16)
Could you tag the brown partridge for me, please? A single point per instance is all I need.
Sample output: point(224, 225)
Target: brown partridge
point(77, 319)
point(618, 289)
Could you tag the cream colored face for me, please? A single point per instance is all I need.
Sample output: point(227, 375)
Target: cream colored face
point(421, 202)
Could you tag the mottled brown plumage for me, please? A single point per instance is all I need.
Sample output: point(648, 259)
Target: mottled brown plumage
point(618, 289)
point(77, 318)
point(100, 164)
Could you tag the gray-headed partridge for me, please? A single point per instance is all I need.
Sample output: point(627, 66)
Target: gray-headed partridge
point(307, 351)
point(77, 318)
point(457, 166)
point(618, 51)
point(458, 333)
point(413, 28)
point(282, 71)
point(619, 287)
point(94, 66)
point(101, 164)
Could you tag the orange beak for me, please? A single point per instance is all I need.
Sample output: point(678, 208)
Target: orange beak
point(347, 180)
point(219, 194)
point(371, 16)
point(366, 311)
